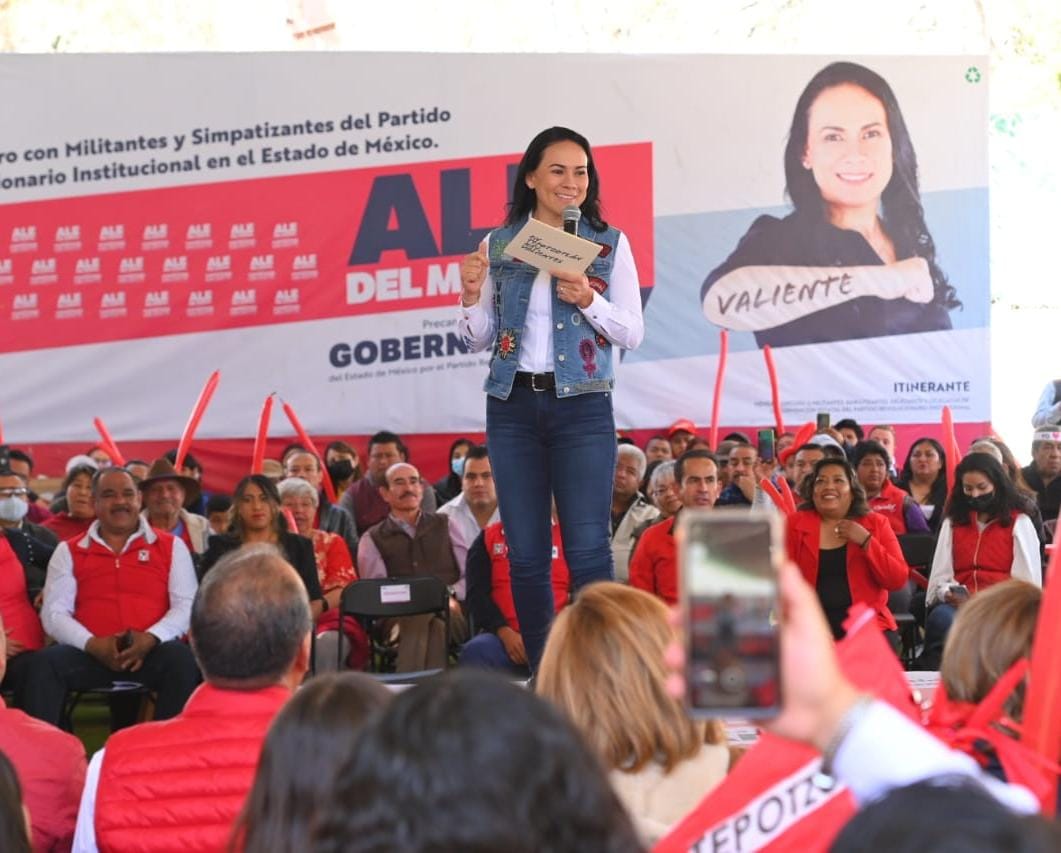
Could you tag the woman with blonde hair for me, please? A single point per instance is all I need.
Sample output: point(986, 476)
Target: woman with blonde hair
point(604, 667)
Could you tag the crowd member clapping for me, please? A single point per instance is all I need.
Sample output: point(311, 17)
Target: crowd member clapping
point(306, 743)
point(847, 552)
point(604, 667)
point(985, 538)
point(924, 477)
point(470, 762)
point(257, 519)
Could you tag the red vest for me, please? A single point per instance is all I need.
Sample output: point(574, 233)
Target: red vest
point(983, 558)
point(889, 503)
point(120, 591)
point(501, 580)
point(177, 785)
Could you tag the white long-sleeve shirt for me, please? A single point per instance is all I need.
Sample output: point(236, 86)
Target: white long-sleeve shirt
point(1027, 564)
point(618, 317)
point(60, 591)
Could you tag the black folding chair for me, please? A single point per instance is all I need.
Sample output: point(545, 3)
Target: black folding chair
point(119, 692)
point(918, 550)
point(372, 599)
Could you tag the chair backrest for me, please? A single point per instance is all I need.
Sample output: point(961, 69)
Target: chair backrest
point(384, 597)
point(918, 549)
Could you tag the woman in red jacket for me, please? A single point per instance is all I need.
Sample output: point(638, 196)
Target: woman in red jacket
point(846, 552)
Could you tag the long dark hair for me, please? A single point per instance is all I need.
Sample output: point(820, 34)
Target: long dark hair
point(938, 493)
point(268, 488)
point(523, 198)
point(469, 761)
point(13, 837)
point(307, 742)
point(1007, 499)
point(901, 211)
point(859, 504)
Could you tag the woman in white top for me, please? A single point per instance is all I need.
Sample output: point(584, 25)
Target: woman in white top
point(549, 421)
point(986, 537)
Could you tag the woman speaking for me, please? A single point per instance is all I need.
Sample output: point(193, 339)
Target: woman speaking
point(855, 258)
point(549, 422)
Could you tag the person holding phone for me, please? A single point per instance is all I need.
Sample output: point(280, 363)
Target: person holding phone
point(847, 552)
point(549, 421)
point(985, 538)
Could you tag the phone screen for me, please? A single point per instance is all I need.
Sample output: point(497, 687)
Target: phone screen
point(766, 445)
point(822, 422)
point(730, 605)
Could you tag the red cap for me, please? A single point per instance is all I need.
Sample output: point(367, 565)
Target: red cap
point(681, 425)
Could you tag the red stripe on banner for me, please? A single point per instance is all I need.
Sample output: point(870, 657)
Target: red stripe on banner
point(225, 459)
point(270, 250)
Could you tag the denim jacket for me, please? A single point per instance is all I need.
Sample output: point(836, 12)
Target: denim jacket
point(582, 357)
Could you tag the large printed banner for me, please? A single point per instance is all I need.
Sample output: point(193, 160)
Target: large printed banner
point(297, 222)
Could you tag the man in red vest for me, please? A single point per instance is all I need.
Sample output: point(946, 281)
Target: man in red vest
point(117, 601)
point(179, 784)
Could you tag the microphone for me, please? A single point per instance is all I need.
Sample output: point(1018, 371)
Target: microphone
point(572, 214)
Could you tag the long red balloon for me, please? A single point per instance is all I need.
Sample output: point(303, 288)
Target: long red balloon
point(950, 444)
point(185, 444)
point(775, 391)
point(303, 436)
point(720, 373)
point(1, 432)
point(258, 459)
point(108, 443)
point(1042, 707)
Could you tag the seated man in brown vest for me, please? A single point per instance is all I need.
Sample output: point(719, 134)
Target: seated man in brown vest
point(411, 542)
point(117, 601)
point(181, 783)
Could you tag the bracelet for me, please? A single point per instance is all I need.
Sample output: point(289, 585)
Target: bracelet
point(850, 719)
point(865, 542)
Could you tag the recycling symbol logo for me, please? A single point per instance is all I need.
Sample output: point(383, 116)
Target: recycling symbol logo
point(972, 74)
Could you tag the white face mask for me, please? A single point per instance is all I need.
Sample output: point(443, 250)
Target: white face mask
point(13, 509)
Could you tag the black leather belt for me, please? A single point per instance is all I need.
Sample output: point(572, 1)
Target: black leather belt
point(535, 381)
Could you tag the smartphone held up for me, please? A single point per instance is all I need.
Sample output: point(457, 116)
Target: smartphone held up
point(728, 565)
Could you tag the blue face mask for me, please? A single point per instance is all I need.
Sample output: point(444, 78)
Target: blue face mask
point(457, 466)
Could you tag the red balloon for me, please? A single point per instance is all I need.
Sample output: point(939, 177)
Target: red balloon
point(307, 442)
point(258, 458)
point(184, 445)
point(775, 391)
point(720, 372)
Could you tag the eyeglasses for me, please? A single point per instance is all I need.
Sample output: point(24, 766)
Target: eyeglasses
point(18, 493)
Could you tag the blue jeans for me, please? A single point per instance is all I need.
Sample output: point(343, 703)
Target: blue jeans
point(488, 652)
point(544, 446)
point(937, 626)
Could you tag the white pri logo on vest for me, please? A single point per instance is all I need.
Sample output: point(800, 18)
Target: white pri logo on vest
point(111, 237)
point(241, 236)
point(143, 555)
point(155, 237)
point(24, 238)
point(67, 238)
point(199, 236)
point(285, 234)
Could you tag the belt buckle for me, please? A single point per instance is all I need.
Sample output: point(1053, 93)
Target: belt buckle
point(534, 382)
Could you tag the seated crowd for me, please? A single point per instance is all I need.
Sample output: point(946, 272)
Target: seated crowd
point(219, 607)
